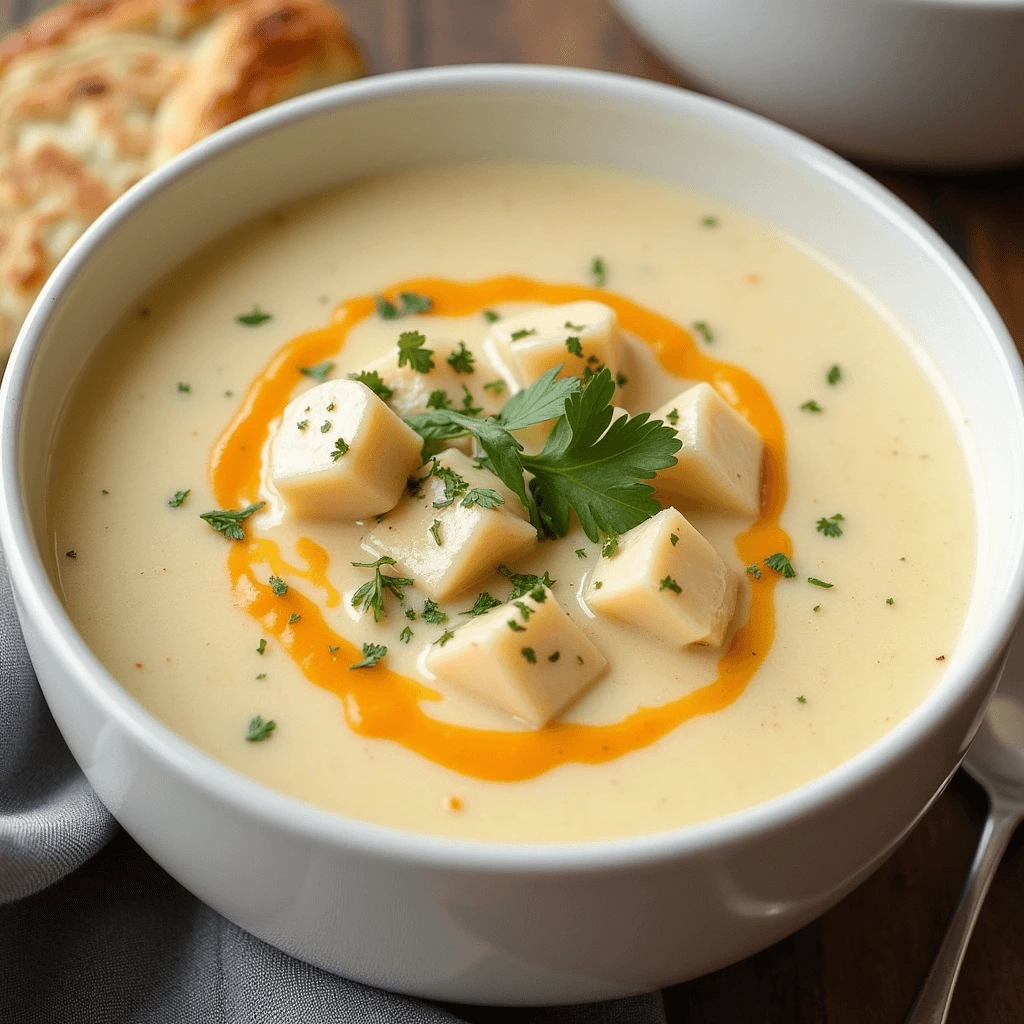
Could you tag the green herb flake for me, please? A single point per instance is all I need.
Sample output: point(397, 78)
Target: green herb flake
point(781, 564)
point(753, 570)
point(801, 700)
point(444, 638)
point(259, 729)
point(554, 657)
point(373, 380)
point(262, 646)
point(293, 618)
point(372, 653)
point(515, 627)
point(834, 375)
point(386, 310)
point(598, 585)
point(483, 603)
point(673, 417)
point(332, 649)
point(889, 600)
point(811, 406)
point(411, 351)
point(318, 372)
point(406, 635)
point(71, 554)
point(523, 332)
point(496, 387)
point(461, 360)
point(432, 613)
point(816, 608)
point(609, 543)
point(524, 610)
point(598, 272)
point(438, 399)
point(701, 327)
point(621, 380)
point(455, 485)
point(410, 614)
point(278, 586)
point(674, 537)
point(468, 408)
point(709, 221)
point(485, 497)
point(530, 655)
point(575, 327)
point(325, 426)
point(573, 345)
point(829, 526)
point(581, 552)
point(302, 424)
point(183, 388)
point(178, 500)
point(262, 675)
point(331, 407)
point(105, 491)
point(229, 521)
point(814, 581)
point(435, 531)
point(253, 318)
point(524, 582)
point(490, 316)
point(370, 595)
point(670, 584)
point(413, 302)
point(340, 448)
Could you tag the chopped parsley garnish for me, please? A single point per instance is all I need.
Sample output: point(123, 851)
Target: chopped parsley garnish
point(71, 554)
point(483, 603)
point(819, 583)
point(515, 627)
point(496, 387)
point(811, 406)
point(411, 351)
point(524, 610)
point(670, 584)
point(523, 332)
point(454, 485)
point(485, 497)
point(229, 521)
point(889, 600)
point(598, 585)
point(325, 426)
point(444, 638)
point(302, 424)
point(575, 327)
point(524, 582)
point(574, 346)
point(490, 316)
point(373, 380)
point(340, 448)
point(801, 700)
point(183, 388)
point(598, 272)
point(278, 586)
point(293, 618)
point(178, 500)
point(331, 407)
point(468, 408)
point(816, 608)
point(410, 614)
point(461, 360)
point(386, 310)
point(259, 730)
point(709, 221)
point(371, 594)
point(318, 372)
point(254, 318)
point(408, 302)
point(262, 675)
point(435, 531)
point(530, 655)
point(701, 327)
point(673, 417)
point(609, 543)
point(406, 635)
point(554, 657)
point(432, 613)
point(581, 552)
point(834, 375)
point(105, 491)
point(332, 649)
point(781, 564)
point(262, 647)
point(753, 570)
point(372, 653)
point(829, 525)
point(621, 380)
point(438, 399)
point(674, 537)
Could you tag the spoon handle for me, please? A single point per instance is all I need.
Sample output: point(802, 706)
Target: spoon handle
point(933, 1000)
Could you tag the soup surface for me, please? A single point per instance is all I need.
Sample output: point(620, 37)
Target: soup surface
point(848, 645)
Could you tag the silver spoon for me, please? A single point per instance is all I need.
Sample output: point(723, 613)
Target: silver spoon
point(996, 761)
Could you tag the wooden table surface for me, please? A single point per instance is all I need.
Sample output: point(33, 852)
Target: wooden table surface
point(862, 962)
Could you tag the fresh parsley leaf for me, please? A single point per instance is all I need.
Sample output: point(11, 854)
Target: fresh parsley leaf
point(829, 526)
point(340, 448)
point(406, 635)
point(438, 399)
point(834, 375)
point(530, 655)
point(468, 408)
point(318, 372)
point(444, 638)
point(435, 531)
point(372, 653)
point(255, 318)
point(371, 594)
point(259, 730)
point(484, 603)
point(373, 380)
point(262, 646)
point(410, 614)
point(278, 586)
point(229, 521)
point(524, 582)
point(572, 343)
point(454, 485)
point(595, 466)
point(820, 583)
point(432, 613)
point(386, 310)
point(811, 406)
point(485, 497)
point(598, 272)
point(674, 537)
point(496, 387)
point(178, 500)
point(670, 584)
point(491, 317)
point(781, 564)
point(461, 360)
point(411, 351)
point(581, 552)
point(543, 400)
point(701, 327)
point(753, 570)
point(413, 302)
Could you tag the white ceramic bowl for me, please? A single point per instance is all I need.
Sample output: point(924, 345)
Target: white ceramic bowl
point(926, 83)
point(485, 922)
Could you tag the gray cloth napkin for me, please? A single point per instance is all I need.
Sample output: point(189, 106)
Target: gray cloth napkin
point(93, 932)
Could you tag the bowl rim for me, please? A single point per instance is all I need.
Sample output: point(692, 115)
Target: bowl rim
point(40, 603)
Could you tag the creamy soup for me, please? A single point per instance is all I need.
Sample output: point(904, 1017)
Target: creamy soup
point(811, 623)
